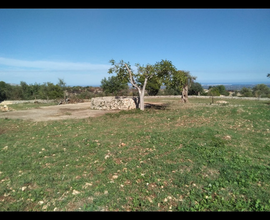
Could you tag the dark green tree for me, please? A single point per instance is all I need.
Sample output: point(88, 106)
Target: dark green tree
point(3, 91)
point(180, 81)
point(213, 91)
point(260, 90)
point(25, 90)
point(153, 85)
point(217, 90)
point(246, 92)
point(113, 85)
point(195, 88)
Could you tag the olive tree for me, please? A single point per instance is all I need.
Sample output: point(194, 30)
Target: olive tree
point(181, 80)
point(261, 90)
point(161, 70)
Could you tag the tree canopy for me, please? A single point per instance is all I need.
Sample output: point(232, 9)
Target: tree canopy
point(180, 81)
point(195, 88)
point(217, 90)
point(160, 71)
point(113, 85)
point(261, 90)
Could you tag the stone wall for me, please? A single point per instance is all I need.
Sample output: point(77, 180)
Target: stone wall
point(113, 103)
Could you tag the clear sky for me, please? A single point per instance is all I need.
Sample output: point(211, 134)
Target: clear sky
point(216, 45)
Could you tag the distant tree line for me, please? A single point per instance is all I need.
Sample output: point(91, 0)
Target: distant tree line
point(113, 87)
point(260, 91)
point(25, 92)
point(47, 90)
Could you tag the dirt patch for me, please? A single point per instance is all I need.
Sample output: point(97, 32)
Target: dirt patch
point(63, 112)
point(57, 112)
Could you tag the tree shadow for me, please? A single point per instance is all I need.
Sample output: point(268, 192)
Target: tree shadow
point(137, 101)
point(162, 106)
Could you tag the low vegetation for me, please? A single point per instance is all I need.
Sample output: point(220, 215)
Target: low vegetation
point(186, 157)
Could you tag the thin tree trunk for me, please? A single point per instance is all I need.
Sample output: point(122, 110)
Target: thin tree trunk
point(141, 100)
point(141, 91)
point(142, 94)
point(184, 96)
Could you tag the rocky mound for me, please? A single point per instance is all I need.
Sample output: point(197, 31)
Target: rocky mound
point(113, 103)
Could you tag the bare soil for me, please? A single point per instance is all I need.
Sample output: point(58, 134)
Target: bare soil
point(61, 112)
point(57, 112)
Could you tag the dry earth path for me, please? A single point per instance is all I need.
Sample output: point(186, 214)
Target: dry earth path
point(57, 112)
point(61, 112)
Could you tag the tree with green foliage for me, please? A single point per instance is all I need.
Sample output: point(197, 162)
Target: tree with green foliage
point(153, 85)
point(222, 90)
point(113, 85)
point(181, 81)
point(195, 89)
point(171, 91)
point(260, 90)
point(161, 70)
point(25, 90)
point(217, 90)
point(246, 92)
point(213, 91)
point(3, 91)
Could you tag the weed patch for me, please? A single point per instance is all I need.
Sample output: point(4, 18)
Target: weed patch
point(188, 157)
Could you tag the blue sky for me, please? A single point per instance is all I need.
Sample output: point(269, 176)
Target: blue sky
point(216, 45)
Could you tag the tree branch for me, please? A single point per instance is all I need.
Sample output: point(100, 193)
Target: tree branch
point(132, 79)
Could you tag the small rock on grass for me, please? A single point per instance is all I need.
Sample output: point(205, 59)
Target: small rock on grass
point(75, 192)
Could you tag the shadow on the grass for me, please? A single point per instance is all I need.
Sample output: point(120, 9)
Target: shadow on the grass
point(162, 106)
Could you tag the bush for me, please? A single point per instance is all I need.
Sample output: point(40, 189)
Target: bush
point(246, 92)
point(195, 88)
point(113, 85)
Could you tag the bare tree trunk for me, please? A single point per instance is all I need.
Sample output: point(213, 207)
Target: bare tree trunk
point(184, 96)
point(141, 91)
point(141, 100)
point(142, 94)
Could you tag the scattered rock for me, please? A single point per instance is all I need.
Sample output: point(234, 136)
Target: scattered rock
point(75, 192)
point(227, 137)
point(221, 102)
point(24, 188)
point(4, 108)
point(114, 176)
point(86, 185)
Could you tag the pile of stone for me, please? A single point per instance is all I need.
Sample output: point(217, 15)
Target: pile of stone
point(4, 108)
point(113, 103)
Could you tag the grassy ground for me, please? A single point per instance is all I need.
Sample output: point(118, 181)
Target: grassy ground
point(189, 157)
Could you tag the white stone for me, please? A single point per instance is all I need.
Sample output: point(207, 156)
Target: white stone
point(221, 102)
point(75, 192)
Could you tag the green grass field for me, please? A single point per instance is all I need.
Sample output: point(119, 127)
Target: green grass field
point(188, 157)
